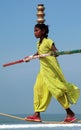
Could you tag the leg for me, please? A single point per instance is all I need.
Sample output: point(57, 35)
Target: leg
point(42, 98)
point(37, 114)
point(70, 117)
point(69, 112)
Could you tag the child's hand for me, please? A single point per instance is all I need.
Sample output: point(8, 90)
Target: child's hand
point(26, 59)
point(56, 55)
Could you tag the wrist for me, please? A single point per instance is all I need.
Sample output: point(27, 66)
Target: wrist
point(31, 57)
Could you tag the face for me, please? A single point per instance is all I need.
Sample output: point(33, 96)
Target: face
point(38, 32)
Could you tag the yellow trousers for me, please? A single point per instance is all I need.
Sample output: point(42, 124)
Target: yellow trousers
point(42, 96)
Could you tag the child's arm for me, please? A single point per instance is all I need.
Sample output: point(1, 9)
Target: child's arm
point(30, 57)
point(54, 49)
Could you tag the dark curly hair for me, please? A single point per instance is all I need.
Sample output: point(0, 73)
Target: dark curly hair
point(43, 27)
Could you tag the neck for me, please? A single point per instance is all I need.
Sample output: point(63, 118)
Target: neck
point(41, 39)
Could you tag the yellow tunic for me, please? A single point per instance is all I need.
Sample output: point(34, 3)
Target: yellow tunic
point(51, 82)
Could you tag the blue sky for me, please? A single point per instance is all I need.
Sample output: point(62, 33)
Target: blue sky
point(17, 20)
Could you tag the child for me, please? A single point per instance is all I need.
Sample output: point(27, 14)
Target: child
point(50, 79)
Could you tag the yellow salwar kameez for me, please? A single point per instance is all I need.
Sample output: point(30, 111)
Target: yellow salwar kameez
point(51, 82)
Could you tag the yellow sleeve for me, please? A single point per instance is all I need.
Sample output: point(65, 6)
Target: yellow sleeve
point(50, 43)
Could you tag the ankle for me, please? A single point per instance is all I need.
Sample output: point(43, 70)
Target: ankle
point(37, 114)
point(70, 113)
